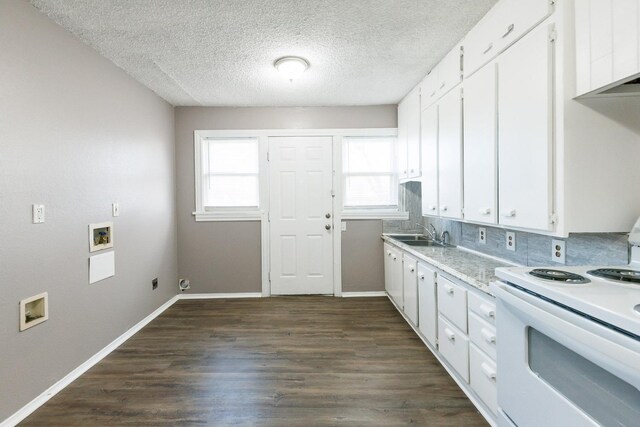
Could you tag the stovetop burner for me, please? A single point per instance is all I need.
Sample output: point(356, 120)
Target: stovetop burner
point(617, 274)
point(558, 276)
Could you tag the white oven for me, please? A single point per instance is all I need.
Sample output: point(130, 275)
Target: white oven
point(559, 367)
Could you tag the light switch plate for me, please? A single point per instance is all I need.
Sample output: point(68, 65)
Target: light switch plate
point(510, 241)
point(343, 225)
point(38, 214)
point(115, 209)
point(558, 251)
point(482, 236)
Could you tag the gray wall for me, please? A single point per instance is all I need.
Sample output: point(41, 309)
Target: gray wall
point(76, 134)
point(225, 256)
point(362, 256)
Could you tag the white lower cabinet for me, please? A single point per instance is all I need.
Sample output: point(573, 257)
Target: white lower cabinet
point(393, 274)
point(457, 320)
point(453, 344)
point(410, 288)
point(427, 303)
point(483, 377)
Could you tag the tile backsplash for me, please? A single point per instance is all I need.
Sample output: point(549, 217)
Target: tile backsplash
point(531, 248)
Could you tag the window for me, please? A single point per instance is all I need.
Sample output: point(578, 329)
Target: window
point(370, 178)
point(230, 174)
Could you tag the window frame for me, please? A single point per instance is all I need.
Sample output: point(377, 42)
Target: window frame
point(372, 211)
point(227, 213)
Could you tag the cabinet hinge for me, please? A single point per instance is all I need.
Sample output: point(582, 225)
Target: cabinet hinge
point(267, 156)
point(553, 218)
point(269, 276)
point(552, 35)
point(269, 216)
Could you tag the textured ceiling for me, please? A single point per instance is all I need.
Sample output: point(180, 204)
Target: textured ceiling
point(221, 52)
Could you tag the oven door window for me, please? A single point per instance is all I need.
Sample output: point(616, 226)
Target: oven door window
point(608, 399)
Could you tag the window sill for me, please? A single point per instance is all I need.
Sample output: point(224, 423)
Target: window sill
point(350, 215)
point(228, 216)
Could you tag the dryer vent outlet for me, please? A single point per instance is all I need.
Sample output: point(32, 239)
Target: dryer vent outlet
point(184, 284)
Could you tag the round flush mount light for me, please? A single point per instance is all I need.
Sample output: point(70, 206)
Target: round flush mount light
point(291, 67)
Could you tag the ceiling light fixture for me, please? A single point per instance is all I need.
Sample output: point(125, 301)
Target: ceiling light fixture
point(291, 67)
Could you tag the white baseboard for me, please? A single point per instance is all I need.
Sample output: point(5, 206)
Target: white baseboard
point(30, 407)
point(364, 294)
point(221, 296)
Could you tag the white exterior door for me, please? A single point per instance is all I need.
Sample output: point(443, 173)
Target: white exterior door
point(301, 215)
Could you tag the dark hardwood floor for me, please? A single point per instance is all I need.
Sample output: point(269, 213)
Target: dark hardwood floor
point(284, 361)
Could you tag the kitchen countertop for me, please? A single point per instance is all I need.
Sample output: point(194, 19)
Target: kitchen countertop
point(475, 270)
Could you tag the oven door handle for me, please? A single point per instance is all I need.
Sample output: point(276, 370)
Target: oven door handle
point(611, 350)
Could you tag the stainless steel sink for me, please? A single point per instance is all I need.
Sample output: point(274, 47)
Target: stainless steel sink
point(409, 237)
point(426, 243)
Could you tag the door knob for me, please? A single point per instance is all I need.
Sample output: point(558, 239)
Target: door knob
point(328, 226)
point(328, 216)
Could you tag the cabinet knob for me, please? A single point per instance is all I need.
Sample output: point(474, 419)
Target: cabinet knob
point(432, 208)
point(450, 335)
point(445, 208)
point(422, 277)
point(510, 213)
point(488, 48)
point(449, 289)
point(489, 373)
point(412, 170)
point(395, 258)
point(412, 269)
point(485, 211)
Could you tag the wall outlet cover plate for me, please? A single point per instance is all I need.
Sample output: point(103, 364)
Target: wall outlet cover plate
point(510, 241)
point(38, 214)
point(559, 251)
point(482, 236)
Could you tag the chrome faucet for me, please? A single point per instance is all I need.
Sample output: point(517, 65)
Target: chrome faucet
point(431, 231)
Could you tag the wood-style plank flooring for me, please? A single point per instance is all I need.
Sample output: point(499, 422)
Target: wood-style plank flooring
point(285, 361)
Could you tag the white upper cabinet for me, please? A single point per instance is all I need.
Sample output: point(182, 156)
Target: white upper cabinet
point(480, 145)
point(502, 26)
point(607, 46)
point(450, 154)
point(409, 136)
point(402, 140)
point(525, 88)
point(430, 160)
point(444, 77)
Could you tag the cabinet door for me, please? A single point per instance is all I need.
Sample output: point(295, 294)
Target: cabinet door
point(413, 134)
point(601, 29)
point(396, 278)
point(525, 84)
point(429, 89)
point(450, 154)
point(626, 15)
point(410, 288)
point(402, 139)
point(427, 307)
point(388, 267)
point(480, 155)
point(449, 71)
point(430, 160)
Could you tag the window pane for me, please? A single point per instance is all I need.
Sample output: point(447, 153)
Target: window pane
point(233, 156)
point(369, 155)
point(370, 191)
point(229, 191)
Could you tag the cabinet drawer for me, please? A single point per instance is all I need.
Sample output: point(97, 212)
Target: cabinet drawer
point(452, 303)
point(454, 347)
point(483, 378)
point(485, 309)
point(482, 335)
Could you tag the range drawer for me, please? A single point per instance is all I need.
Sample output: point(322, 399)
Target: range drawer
point(483, 378)
point(485, 309)
point(454, 347)
point(483, 335)
point(452, 302)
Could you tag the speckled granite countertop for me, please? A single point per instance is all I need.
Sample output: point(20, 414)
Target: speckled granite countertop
point(476, 270)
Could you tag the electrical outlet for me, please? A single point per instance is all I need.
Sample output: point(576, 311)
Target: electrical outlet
point(115, 209)
point(511, 241)
point(482, 236)
point(558, 251)
point(343, 224)
point(38, 214)
point(154, 283)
